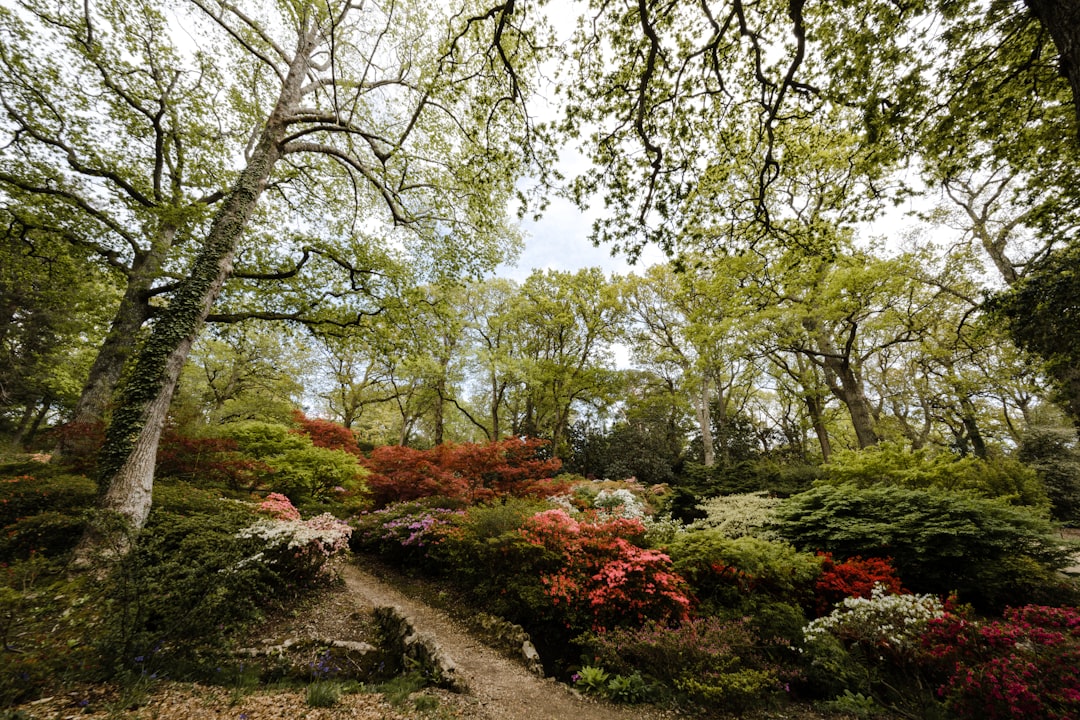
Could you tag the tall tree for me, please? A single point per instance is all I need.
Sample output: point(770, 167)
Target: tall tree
point(114, 143)
point(415, 106)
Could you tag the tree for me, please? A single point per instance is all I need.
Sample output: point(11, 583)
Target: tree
point(569, 321)
point(50, 320)
point(411, 106)
point(114, 147)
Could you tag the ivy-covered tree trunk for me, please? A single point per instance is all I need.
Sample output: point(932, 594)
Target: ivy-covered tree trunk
point(127, 460)
point(131, 314)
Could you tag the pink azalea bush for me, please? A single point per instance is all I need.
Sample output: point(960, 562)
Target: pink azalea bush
point(605, 580)
point(279, 507)
point(1022, 666)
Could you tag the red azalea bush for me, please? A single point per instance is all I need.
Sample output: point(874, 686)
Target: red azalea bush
point(199, 460)
point(854, 577)
point(606, 580)
point(474, 472)
point(326, 434)
point(1022, 666)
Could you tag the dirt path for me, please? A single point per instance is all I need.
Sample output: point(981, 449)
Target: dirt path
point(501, 688)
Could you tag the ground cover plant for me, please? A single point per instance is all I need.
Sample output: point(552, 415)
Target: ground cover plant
point(202, 569)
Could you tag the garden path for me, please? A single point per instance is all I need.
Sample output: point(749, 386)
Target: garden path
point(501, 688)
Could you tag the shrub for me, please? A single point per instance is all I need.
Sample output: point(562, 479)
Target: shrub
point(605, 580)
point(48, 533)
point(191, 577)
point(739, 515)
point(725, 571)
point(403, 532)
point(475, 472)
point(326, 434)
point(486, 553)
point(1023, 665)
point(31, 488)
point(1055, 458)
point(854, 577)
point(734, 577)
point(297, 468)
point(873, 645)
point(989, 552)
point(402, 474)
point(890, 464)
point(713, 661)
point(208, 460)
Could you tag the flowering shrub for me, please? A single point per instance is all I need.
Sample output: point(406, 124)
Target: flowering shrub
point(402, 531)
point(619, 503)
point(1022, 666)
point(279, 507)
point(738, 515)
point(855, 577)
point(605, 579)
point(713, 661)
point(887, 625)
point(301, 548)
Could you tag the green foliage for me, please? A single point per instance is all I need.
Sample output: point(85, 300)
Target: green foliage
point(323, 694)
point(991, 553)
point(711, 661)
point(298, 468)
point(1041, 315)
point(734, 577)
point(41, 510)
point(201, 568)
point(496, 564)
point(748, 476)
point(891, 464)
point(31, 488)
point(738, 515)
point(1055, 458)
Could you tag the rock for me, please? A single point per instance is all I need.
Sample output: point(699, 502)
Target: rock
point(409, 649)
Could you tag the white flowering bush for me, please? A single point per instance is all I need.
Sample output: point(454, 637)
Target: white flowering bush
point(662, 529)
point(301, 549)
point(739, 515)
point(886, 625)
point(619, 503)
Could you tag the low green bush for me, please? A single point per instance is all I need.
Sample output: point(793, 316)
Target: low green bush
point(893, 465)
point(713, 662)
point(49, 533)
point(992, 553)
point(30, 488)
point(768, 581)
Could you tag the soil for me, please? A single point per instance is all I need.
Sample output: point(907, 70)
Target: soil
point(499, 688)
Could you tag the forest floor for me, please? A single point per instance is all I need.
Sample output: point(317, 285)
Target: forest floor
point(499, 688)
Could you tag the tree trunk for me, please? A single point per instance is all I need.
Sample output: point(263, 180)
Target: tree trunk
point(968, 416)
point(46, 404)
point(1061, 18)
point(815, 407)
point(846, 385)
point(127, 460)
point(108, 365)
point(704, 419)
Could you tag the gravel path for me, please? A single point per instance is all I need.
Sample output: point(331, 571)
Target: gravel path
point(500, 688)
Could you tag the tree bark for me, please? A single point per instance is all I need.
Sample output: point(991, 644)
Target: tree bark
point(1061, 18)
point(701, 405)
point(127, 460)
point(815, 407)
point(108, 366)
